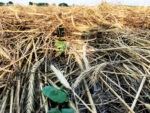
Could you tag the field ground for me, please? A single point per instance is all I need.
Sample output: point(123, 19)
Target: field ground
point(106, 58)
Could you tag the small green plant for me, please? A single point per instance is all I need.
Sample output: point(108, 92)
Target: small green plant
point(54, 110)
point(58, 96)
point(55, 95)
point(67, 110)
point(61, 46)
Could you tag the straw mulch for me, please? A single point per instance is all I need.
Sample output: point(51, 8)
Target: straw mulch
point(107, 60)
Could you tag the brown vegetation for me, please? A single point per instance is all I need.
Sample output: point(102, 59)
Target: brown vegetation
point(107, 60)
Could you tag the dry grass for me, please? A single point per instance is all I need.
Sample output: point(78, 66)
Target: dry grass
point(107, 61)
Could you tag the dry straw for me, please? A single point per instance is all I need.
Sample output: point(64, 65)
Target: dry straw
point(107, 48)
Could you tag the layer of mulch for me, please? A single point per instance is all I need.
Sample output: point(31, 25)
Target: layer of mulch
point(106, 60)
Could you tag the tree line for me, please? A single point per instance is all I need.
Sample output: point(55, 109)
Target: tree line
point(46, 4)
point(9, 3)
point(32, 3)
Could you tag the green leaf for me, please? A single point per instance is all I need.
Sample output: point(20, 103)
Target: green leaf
point(65, 110)
point(54, 110)
point(61, 88)
point(55, 95)
point(61, 45)
point(60, 51)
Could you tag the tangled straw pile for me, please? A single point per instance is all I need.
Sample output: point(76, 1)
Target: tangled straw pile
point(107, 61)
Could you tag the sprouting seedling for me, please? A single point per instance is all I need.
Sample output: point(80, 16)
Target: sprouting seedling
point(58, 96)
point(66, 84)
point(64, 110)
point(54, 110)
point(61, 45)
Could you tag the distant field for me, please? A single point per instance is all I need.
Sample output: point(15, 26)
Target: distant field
point(100, 54)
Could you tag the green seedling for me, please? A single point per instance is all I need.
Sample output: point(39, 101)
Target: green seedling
point(66, 110)
point(61, 46)
point(58, 96)
point(54, 110)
